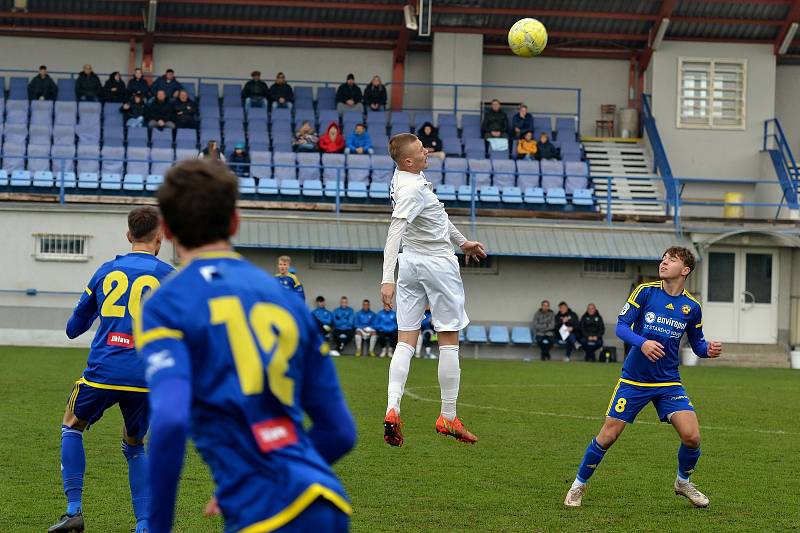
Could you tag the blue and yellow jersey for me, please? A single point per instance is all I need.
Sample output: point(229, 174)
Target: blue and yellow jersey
point(253, 358)
point(115, 295)
point(655, 315)
point(292, 282)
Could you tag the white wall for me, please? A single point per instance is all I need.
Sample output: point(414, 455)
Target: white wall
point(602, 81)
point(787, 91)
point(456, 59)
point(67, 55)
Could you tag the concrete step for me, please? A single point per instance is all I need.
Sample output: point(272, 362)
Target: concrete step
point(751, 356)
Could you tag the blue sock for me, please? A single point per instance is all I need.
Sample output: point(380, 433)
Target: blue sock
point(139, 480)
point(591, 460)
point(73, 464)
point(687, 460)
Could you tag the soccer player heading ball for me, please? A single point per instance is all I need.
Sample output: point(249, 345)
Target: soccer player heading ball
point(653, 320)
point(238, 360)
point(428, 275)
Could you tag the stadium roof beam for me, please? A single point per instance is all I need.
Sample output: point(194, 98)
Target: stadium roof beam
point(311, 4)
point(399, 64)
point(301, 24)
point(592, 36)
point(793, 16)
point(526, 12)
point(554, 51)
point(664, 12)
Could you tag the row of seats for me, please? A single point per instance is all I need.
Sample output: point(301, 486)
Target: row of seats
point(499, 335)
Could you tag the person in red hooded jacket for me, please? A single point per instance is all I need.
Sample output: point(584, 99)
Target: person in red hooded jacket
point(332, 141)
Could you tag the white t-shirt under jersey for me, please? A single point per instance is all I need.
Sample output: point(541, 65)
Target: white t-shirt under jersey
point(428, 229)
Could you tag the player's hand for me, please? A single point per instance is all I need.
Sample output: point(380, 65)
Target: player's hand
point(473, 249)
point(212, 508)
point(387, 293)
point(714, 349)
point(653, 350)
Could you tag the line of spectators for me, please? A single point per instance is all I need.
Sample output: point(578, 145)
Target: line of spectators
point(497, 131)
point(564, 328)
point(161, 112)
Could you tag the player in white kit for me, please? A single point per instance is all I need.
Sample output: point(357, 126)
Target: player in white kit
point(428, 275)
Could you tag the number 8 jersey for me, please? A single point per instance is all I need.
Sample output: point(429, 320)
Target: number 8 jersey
point(115, 294)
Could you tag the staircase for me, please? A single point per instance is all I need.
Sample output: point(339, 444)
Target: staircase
point(633, 189)
point(751, 356)
point(783, 161)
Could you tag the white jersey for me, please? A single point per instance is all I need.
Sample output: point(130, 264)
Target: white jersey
point(428, 229)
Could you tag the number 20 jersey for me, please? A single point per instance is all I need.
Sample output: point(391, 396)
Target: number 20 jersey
point(113, 293)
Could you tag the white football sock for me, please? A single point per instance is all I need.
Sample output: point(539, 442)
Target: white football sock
point(398, 374)
point(359, 343)
point(373, 340)
point(419, 344)
point(449, 379)
point(577, 484)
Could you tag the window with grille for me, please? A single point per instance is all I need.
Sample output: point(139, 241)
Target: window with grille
point(605, 268)
point(711, 93)
point(61, 247)
point(336, 260)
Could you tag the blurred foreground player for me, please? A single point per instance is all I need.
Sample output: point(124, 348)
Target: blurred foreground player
point(236, 361)
point(653, 321)
point(114, 374)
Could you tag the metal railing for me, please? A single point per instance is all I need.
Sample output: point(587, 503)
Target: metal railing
point(660, 159)
point(785, 164)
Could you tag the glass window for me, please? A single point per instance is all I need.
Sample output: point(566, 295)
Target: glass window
point(758, 278)
point(721, 272)
point(711, 93)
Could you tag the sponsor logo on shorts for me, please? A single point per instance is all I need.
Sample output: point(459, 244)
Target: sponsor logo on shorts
point(676, 398)
point(122, 340)
point(274, 434)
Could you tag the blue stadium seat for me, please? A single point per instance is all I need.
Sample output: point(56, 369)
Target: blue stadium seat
point(582, 197)
point(267, 186)
point(464, 193)
point(88, 180)
point(68, 177)
point(66, 113)
point(333, 166)
point(330, 189)
point(511, 195)
point(451, 146)
point(358, 167)
point(566, 129)
point(357, 189)
point(489, 193)
point(3, 178)
point(154, 181)
point(17, 112)
point(18, 89)
point(284, 165)
point(377, 119)
point(326, 98)
point(455, 171)
point(476, 335)
point(43, 178)
point(533, 195)
point(446, 193)
point(379, 191)
point(111, 181)
point(13, 156)
point(498, 335)
point(400, 118)
point(521, 336)
point(421, 117)
point(382, 168)
point(552, 173)
point(504, 173)
point(303, 94)
point(326, 116)
point(38, 157)
point(312, 188)
point(66, 90)
point(434, 171)
point(470, 121)
point(556, 196)
point(133, 182)
point(63, 157)
point(480, 171)
point(260, 161)
point(308, 166)
point(20, 178)
point(290, 187)
point(475, 148)
point(304, 115)
point(247, 185)
point(446, 120)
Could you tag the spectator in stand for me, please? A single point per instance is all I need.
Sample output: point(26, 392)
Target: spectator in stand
point(544, 325)
point(185, 111)
point(239, 161)
point(365, 331)
point(255, 92)
point(160, 113)
point(591, 332)
point(546, 149)
point(386, 327)
point(348, 96)
point(430, 140)
point(281, 93)
point(375, 95)
point(87, 85)
point(427, 336)
point(567, 317)
point(211, 151)
point(343, 326)
point(306, 139)
point(42, 86)
point(138, 84)
point(286, 274)
point(134, 111)
point(359, 141)
point(522, 121)
point(526, 146)
point(114, 89)
point(323, 317)
point(168, 84)
point(495, 120)
point(333, 140)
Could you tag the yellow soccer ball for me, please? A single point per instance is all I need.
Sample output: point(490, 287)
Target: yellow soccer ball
point(527, 37)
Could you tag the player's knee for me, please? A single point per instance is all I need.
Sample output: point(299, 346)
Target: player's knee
point(691, 440)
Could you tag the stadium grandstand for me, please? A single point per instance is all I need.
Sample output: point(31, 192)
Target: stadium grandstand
point(670, 122)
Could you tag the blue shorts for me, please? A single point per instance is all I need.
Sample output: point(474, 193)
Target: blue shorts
point(88, 403)
point(629, 399)
point(319, 517)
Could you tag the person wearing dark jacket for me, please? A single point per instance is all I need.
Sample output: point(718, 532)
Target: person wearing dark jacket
point(255, 92)
point(88, 87)
point(429, 138)
point(137, 84)
point(544, 323)
point(185, 111)
point(114, 89)
point(134, 111)
point(159, 113)
point(567, 317)
point(239, 161)
point(495, 120)
point(591, 330)
point(546, 149)
point(281, 93)
point(42, 86)
point(168, 84)
point(522, 121)
point(348, 96)
point(375, 94)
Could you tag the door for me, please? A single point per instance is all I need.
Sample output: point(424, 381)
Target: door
point(741, 296)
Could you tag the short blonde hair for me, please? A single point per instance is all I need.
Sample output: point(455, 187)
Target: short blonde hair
point(285, 259)
point(399, 144)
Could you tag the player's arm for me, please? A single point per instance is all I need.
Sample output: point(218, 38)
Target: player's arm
point(85, 311)
point(472, 249)
point(697, 340)
point(651, 349)
point(333, 430)
point(169, 379)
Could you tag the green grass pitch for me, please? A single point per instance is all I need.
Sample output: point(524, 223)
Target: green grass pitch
point(533, 421)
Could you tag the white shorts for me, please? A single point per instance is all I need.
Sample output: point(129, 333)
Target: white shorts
point(430, 280)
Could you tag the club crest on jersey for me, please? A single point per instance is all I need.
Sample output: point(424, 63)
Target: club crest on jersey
point(625, 309)
point(685, 309)
point(670, 306)
point(650, 317)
